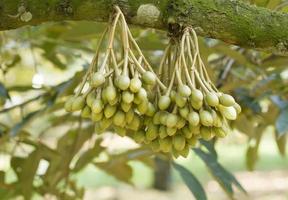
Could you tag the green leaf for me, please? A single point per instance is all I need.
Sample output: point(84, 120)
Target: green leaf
point(25, 169)
point(3, 92)
point(261, 3)
point(119, 163)
point(221, 175)
point(67, 147)
point(281, 144)
point(119, 169)
point(273, 4)
point(253, 146)
point(50, 53)
point(275, 61)
point(141, 154)
point(68, 87)
point(232, 53)
point(209, 145)
point(88, 156)
point(16, 60)
point(26, 120)
point(16, 164)
point(246, 100)
point(151, 42)
point(2, 177)
point(251, 157)
point(270, 116)
point(245, 125)
point(8, 193)
point(282, 123)
point(192, 182)
point(82, 30)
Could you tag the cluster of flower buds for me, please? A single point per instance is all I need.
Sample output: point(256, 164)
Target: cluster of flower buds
point(169, 110)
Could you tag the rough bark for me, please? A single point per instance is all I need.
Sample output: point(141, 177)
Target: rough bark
point(228, 20)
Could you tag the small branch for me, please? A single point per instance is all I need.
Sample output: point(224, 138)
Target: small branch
point(22, 104)
point(225, 72)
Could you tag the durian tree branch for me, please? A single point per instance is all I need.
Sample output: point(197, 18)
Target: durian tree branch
point(229, 20)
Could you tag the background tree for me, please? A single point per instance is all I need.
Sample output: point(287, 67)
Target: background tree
point(41, 65)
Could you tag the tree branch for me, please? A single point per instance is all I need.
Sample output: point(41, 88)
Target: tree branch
point(229, 20)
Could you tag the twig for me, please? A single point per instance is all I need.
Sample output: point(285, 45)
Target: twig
point(225, 72)
point(281, 6)
point(23, 103)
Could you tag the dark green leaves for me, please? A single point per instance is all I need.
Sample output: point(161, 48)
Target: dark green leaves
point(209, 145)
point(118, 166)
point(192, 182)
point(221, 175)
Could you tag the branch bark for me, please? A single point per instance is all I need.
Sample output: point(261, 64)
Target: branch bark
point(229, 20)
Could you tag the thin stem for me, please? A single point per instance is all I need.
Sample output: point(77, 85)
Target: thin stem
point(171, 83)
point(96, 56)
point(139, 51)
point(178, 76)
point(200, 82)
point(137, 64)
point(203, 75)
point(141, 70)
point(192, 60)
point(113, 28)
point(125, 41)
point(93, 63)
point(23, 103)
point(186, 71)
point(162, 62)
point(115, 65)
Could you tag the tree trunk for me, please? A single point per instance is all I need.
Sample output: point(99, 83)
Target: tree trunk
point(162, 174)
point(232, 21)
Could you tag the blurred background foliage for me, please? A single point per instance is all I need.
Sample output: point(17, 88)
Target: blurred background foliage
point(46, 152)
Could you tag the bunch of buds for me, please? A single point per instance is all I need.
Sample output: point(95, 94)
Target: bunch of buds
point(169, 110)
